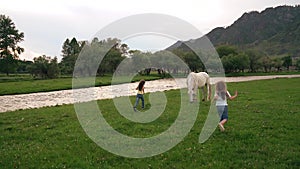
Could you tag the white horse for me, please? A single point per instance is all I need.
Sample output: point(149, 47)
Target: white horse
point(195, 80)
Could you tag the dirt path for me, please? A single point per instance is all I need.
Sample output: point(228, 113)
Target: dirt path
point(37, 100)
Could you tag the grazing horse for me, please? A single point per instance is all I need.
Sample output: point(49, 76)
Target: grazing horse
point(195, 80)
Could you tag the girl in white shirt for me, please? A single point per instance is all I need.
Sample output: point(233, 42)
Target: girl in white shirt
point(221, 96)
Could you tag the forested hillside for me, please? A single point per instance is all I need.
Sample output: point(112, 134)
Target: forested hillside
point(274, 31)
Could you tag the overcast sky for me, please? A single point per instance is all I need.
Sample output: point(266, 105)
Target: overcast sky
point(47, 23)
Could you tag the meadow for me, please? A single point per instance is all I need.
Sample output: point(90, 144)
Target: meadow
point(262, 132)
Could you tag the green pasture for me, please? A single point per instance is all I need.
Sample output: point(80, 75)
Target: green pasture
point(262, 132)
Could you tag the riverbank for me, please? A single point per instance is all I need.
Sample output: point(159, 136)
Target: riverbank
point(45, 99)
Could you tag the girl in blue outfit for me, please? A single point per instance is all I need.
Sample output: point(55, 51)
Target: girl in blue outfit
point(140, 94)
point(221, 96)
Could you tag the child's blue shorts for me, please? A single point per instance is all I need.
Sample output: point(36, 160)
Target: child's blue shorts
point(223, 112)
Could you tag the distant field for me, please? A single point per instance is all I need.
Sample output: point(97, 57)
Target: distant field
point(262, 132)
point(14, 77)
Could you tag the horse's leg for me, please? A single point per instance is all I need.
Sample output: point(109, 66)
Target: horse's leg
point(190, 85)
point(191, 94)
point(195, 92)
point(208, 91)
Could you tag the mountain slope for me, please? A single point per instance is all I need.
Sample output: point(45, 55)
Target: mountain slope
point(275, 31)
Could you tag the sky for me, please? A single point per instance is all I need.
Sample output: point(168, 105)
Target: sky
point(48, 23)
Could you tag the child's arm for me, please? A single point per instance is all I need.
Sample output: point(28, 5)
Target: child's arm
point(234, 96)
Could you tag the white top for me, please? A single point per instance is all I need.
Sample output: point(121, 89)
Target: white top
point(220, 101)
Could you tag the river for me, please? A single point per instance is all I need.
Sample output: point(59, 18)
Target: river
point(44, 99)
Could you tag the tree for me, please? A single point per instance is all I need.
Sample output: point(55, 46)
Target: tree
point(53, 69)
point(267, 63)
point(242, 61)
point(44, 67)
point(193, 61)
point(254, 60)
point(228, 63)
point(66, 48)
point(298, 64)
point(113, 57)
point(141, 61)
point(226, 50)
point(107, 51)
point(235, 63)
point(124, 49)
point(9, 38)
point(8, 65)
point(70, 52)
point(277, 62)
point(287, 62)
point(23, 66)
point(110, 61)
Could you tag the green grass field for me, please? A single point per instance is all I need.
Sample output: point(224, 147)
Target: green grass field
point(262, 132)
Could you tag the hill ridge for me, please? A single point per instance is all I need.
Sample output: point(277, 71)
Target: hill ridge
point(275, 31)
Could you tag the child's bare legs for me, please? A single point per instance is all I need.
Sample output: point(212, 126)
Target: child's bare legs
point(223, 113)
point(221, 124)
point(223, 121)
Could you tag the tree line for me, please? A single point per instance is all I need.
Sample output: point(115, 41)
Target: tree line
point(253, 61)
point(114, 52)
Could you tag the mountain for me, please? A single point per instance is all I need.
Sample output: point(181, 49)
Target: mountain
point(275, 31)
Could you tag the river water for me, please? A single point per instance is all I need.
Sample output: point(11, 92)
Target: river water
point(44, 99)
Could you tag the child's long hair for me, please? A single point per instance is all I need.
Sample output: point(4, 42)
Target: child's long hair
point(221, 89)
point(141, 85)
